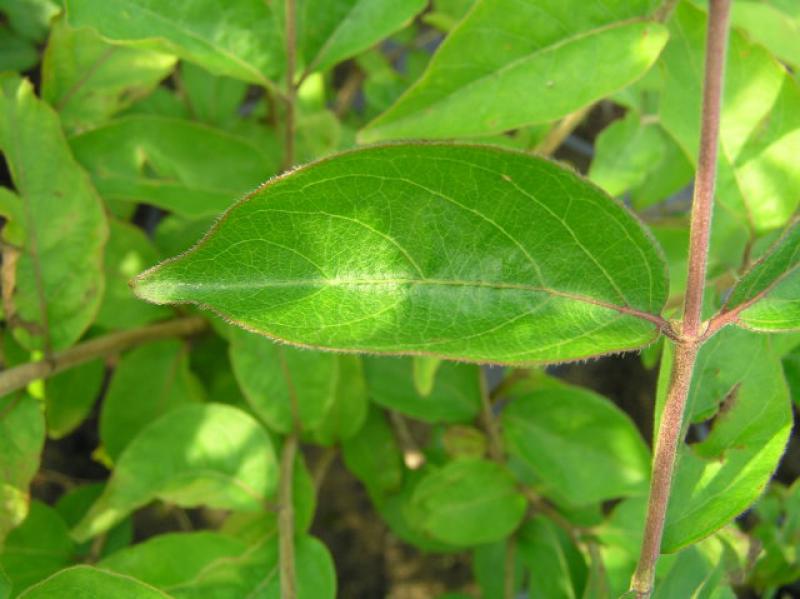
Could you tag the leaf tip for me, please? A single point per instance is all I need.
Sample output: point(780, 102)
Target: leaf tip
point(152, 287)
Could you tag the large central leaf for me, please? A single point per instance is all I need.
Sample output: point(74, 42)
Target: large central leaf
point(465, 252)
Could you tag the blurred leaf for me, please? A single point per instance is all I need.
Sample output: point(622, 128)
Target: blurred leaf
point(674, 240)
point(173, 559)
point(446, 14)
point(624, 153)
point(207, 454)
point(59, 276)
point(318, 134)
point(346, 415)
point(464, 441)
point(16, 53)
point(758, 182)
point(128, 252)
point(86, 581)
point(214, 100)
point(74, 504)
point(229, 38)
point(720, 476)
point(148, 382)
point(30, 18)
point(88, 80)
point(778, 530)
point(468, 502)
point(429, 260)
point(424, 369)
point(271, 374)
point(774, 24)
point(174, 234)
point(373, 456)
point(70, 396)
point(455, 396)
point(557, 568)
point(181, 166)
point(581, 446)
point(768, 295)
point(22, 435)
point(329, 31)
point(37, 548)
point(505, 49)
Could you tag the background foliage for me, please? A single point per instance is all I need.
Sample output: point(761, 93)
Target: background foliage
point(154, 470)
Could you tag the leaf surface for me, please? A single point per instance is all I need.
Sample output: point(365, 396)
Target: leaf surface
point(86, 581)
point(188, 168)
point(465, 252)
point(767, 298)
point(59, 275)
point(511, 63)
point(207, 454)
point(582, 447)
point(719, 477)
point(227, 38)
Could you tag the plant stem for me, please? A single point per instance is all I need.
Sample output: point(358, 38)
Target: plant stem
point(489, 422)
point(291, 88)
point(561, 131)
point(19, 376)
point(691, 335)
point(286, 519)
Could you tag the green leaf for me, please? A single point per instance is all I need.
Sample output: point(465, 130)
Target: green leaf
point(88, 80)
point(468, 502)
point(624, 153)
point(188, 168)
point(435, 249)
point(332, 30)
point(37, 548)
point(86, 581)
point(59, 275)
point(505, 50)
point(16, 53)
point(758, 181)
point(70, 396)
point(148, 382)
point(229, 38)
point(767, 298)
point(770, 24)
point(424, 369)
point(557, 568)
point(213, 100)
point(374, 457)
point(30, 18)
point(455, 397)
point(173, 559)
point(208, 454)
point(22, 435)
point(581, 446)
point(720, 476)
point(346, 415)
point(128, 251)
point(270, 375)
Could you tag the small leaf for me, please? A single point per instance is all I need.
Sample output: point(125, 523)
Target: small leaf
point(16, 53)
point(188, 168)
point(127, 252)
point(332, 30)
point(374, 457)
point(504, 50)
point(86, 581)
point(425, 369)
point(557, 568)
point(767, 298)
point(37, 548)
point(147, 383)
point(213, 100)
point(455, 397)
point(70, 396)
point(720, 476)
point(59, 276)
point(435, 249)
point(229, 38)
point(207, 454)
point(88, 80)
point(582, 448)
point(22, 435)
point(468, 502)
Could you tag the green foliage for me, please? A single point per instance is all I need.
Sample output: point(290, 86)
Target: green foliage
point(400, 314)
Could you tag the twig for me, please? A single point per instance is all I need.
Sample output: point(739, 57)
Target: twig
point(412, 454)
point(286, 519)
point(291, 88)
point(561, 131)
point(490, 424)
point(510, 568)
point(322, 466)
point(669, 433)
point(19, 376)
